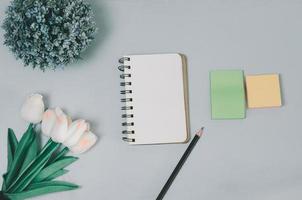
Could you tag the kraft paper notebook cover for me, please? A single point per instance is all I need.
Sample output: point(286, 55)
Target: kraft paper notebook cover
point(227, 94)
point(155, 89)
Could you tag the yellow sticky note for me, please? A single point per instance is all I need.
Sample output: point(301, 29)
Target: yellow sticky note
point(263, 91)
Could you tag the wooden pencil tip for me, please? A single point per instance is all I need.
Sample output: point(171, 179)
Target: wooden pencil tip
point(200, 132)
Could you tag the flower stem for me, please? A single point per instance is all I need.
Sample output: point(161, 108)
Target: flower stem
point(62, 153)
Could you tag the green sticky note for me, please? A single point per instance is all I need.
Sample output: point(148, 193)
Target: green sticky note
point(227, 94)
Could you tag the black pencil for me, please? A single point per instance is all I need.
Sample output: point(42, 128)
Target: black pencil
point(180, 164)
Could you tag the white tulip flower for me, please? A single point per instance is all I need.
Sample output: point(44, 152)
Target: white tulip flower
point(33, 109)
point(75, 135)
point(75, 132)
point(87, 140)
point(59, 130)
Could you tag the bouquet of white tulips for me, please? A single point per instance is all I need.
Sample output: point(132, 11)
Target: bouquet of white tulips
point(31, 170)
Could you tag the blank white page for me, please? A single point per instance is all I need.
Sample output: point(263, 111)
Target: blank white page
point(159, 98)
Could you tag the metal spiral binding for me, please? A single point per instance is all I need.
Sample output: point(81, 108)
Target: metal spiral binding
point(126, 91)
point(128, 109)
point(126, 100)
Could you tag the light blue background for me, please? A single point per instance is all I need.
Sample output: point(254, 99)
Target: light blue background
point(258, 158)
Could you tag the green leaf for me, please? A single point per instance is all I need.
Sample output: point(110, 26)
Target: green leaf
point(3, 183)
point(12, 144)
point(31, 171)
point(20, 152)
point(51, 183)
point(31, 153)
point(43, 188)
point(58, 173)
point(54, 167)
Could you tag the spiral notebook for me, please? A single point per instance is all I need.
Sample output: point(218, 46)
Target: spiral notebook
point(155, 98)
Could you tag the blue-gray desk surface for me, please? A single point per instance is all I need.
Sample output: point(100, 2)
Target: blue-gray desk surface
point(258, 158)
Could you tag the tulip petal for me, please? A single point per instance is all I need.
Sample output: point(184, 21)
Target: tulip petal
point(69, 120)
point(33, 109)
point(48, 121)
point(75, 131)
point(59, 111)
point(88, 126)
point(58, 133)
point(74, 127)
point(86, 142)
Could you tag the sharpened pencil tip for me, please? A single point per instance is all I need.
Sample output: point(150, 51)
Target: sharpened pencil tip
point(200, 132)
